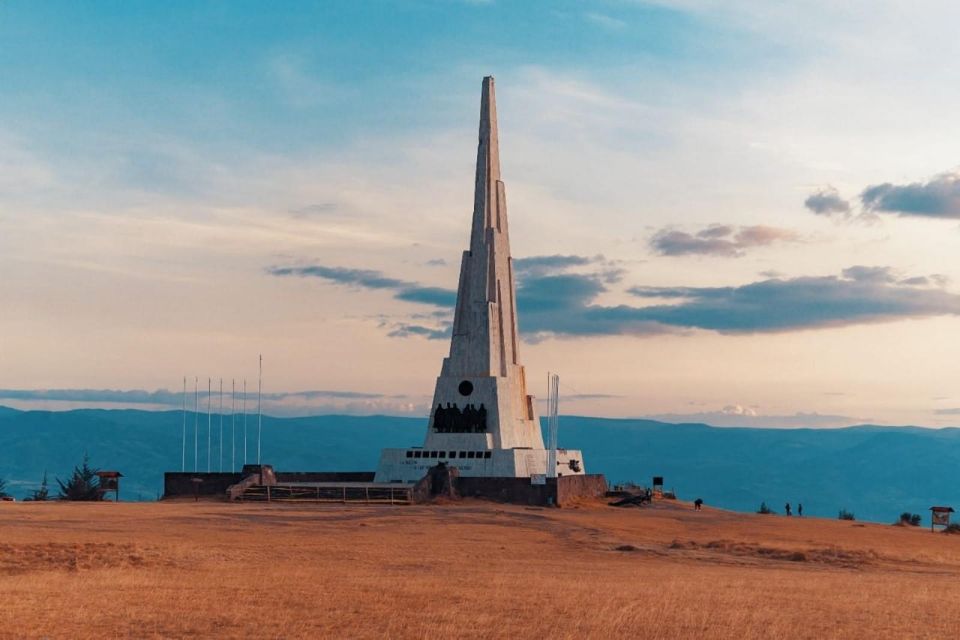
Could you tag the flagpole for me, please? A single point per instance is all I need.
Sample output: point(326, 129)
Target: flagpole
point(259, 412)
point(221, 425)
point(183, 452)
point(244, 400)
point(209, 423)
point(233, 425)
point(196, 423)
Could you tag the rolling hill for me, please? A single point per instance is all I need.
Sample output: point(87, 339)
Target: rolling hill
point(875, 472)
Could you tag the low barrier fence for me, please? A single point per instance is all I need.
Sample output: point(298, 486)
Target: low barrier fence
point(342, 493)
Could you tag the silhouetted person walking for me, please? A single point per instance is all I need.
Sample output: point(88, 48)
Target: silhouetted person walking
point(799, 509)
point(697, 504)
point(786, 508)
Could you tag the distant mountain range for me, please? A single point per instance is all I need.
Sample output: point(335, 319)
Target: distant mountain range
point(874, 472)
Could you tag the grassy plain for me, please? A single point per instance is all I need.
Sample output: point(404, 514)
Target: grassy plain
point(465, 570)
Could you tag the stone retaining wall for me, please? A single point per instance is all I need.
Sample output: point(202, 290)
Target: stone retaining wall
point(591, 485)
point(558, 491)
point(180, 483)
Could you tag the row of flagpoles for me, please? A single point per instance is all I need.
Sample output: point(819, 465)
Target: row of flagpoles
point(233, 423)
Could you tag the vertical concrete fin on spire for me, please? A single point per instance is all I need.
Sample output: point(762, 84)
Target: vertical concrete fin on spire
point(485, 195)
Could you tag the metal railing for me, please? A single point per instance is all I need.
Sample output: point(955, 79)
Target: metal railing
point(328, 493)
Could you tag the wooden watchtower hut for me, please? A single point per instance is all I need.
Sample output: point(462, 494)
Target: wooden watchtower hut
point(940, 517)
point(110, 481)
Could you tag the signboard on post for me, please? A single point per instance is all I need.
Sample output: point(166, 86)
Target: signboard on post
point(110, 481)
point(940, 517)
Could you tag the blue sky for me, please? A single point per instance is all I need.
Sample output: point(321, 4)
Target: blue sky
point(299, 76)
point(739, 211)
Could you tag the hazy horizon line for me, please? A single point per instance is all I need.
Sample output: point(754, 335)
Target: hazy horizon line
point(104, 406)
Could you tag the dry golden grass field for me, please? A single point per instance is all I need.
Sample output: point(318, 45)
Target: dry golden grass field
point(465, 570)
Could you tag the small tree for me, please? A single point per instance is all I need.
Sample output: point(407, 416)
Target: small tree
point(846, 515)
point(3, 489)
point(764, 509)
point(913, 519)
point(43, 493)
point(83, 485)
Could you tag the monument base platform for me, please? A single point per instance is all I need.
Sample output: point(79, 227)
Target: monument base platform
point(409, 465)
point(359, 487)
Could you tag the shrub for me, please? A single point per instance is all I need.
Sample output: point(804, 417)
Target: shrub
point(3, 489)
point(765, 510)
point(846, 515)
point(912, 519)
point(83, 485)
point(952, 528)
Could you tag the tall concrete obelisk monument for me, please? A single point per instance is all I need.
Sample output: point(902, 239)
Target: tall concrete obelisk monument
point(484, 363)
point(482, 419)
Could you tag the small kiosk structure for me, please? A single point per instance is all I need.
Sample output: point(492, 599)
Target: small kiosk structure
point(658, 486)
point(940, 517)
point(110, 481)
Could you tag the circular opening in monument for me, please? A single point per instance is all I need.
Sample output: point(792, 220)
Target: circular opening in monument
point(465, 388)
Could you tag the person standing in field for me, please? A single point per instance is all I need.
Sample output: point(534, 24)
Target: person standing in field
point(786, 508)
point(697, 504)
point(799, 510)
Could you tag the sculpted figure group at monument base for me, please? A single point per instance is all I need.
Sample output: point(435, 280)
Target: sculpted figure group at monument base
point(451, 419)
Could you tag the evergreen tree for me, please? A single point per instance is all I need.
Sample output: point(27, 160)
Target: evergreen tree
point(82, 485)
point(43, 493)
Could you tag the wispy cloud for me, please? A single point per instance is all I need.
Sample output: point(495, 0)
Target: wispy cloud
point(299, 87)
point(369, 279)
point(939, 197)
point(601, 268)
point(292, 403)
point(719, 240)
point(554, 302)
point(538, 265)
point(400, 289)
point(160, 396)
point(827, 202)
point(605, 21)
point(860, 295)
point(406, 330)
point(564, 305)
point(318, 209)
point(589, 396)
point(737, 416)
